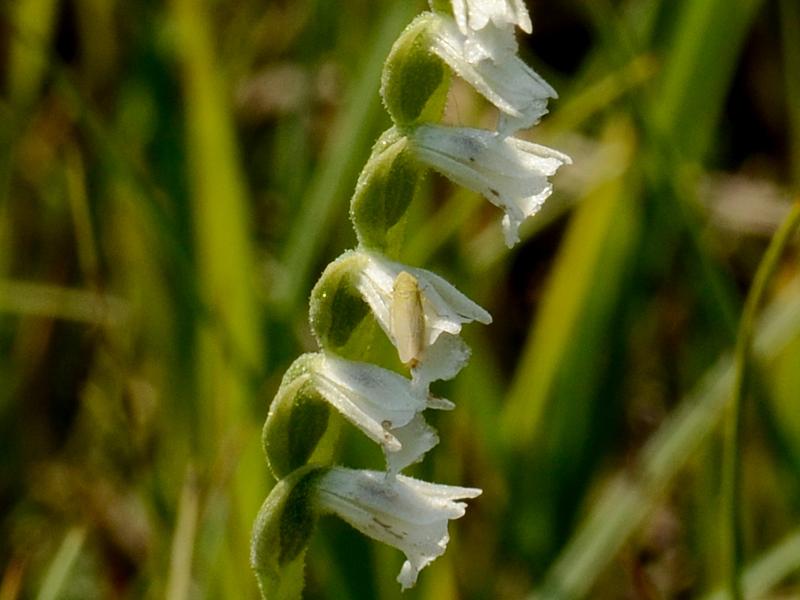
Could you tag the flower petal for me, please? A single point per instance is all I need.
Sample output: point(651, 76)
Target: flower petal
point(374, 399)
point(416, 438)
point(511, 173)
point(406, 513)
point(474, 15)
point(443, 360)
point(507, 82)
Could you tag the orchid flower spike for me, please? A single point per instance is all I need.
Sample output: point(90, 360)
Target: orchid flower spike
point(420, 313)
point(403, 512)
point(511, 173)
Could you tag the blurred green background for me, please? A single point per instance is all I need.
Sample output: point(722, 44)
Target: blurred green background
point(174, 176)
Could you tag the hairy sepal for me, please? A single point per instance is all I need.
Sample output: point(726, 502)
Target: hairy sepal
point(281, 534)
point(385, 190)
point(415, 81)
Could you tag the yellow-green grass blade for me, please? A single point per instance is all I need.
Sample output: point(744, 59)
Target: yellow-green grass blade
point(32, 24)
point(576, 305)
point(226, 271)
point(57, 574)
point(767, 572)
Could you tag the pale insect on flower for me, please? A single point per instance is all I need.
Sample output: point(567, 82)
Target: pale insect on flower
point(444, 309)
point(407, 319)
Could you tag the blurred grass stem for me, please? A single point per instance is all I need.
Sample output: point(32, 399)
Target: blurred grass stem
point(180, 567)
point(768, 571)
point(731, 543)
point(62, 564)
point(55, 302)
point(226, 274)
point(626, 501)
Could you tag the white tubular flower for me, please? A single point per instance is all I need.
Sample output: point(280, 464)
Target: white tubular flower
point(474, 15)
point(421, 314)
point(508, 83)
point(383, 404)
point(406, 513)
point(488, 27)
point(511, 173)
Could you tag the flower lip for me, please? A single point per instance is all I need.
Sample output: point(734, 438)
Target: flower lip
point(509, 172)
point(372, 398)
point(403, 512)
point(384, 405)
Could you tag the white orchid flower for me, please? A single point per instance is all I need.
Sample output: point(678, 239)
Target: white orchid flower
point(511, 85)
point(383, 404)
point(406, 513)
point(511, 173)
point(421, 313)
point(474, 15)
point(488, 27)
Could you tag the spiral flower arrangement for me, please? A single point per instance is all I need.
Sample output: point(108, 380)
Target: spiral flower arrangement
point(420, 313)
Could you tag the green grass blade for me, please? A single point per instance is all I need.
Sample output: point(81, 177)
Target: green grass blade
point(768, 571)
point(226, 272)
point(576, 302)
point(221, 212)
point(62, 564)
point(698, 66)
point(180, 565)
point(731, 544)
point(32, 24)
point(626, 501)
point(351, 138)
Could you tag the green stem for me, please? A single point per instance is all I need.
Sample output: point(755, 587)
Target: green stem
point(731, 542)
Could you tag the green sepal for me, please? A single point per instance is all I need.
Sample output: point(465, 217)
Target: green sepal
point(415, 81)
point(300, 427)
point(385, 189)
point(340, 319)
point(281, 533)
